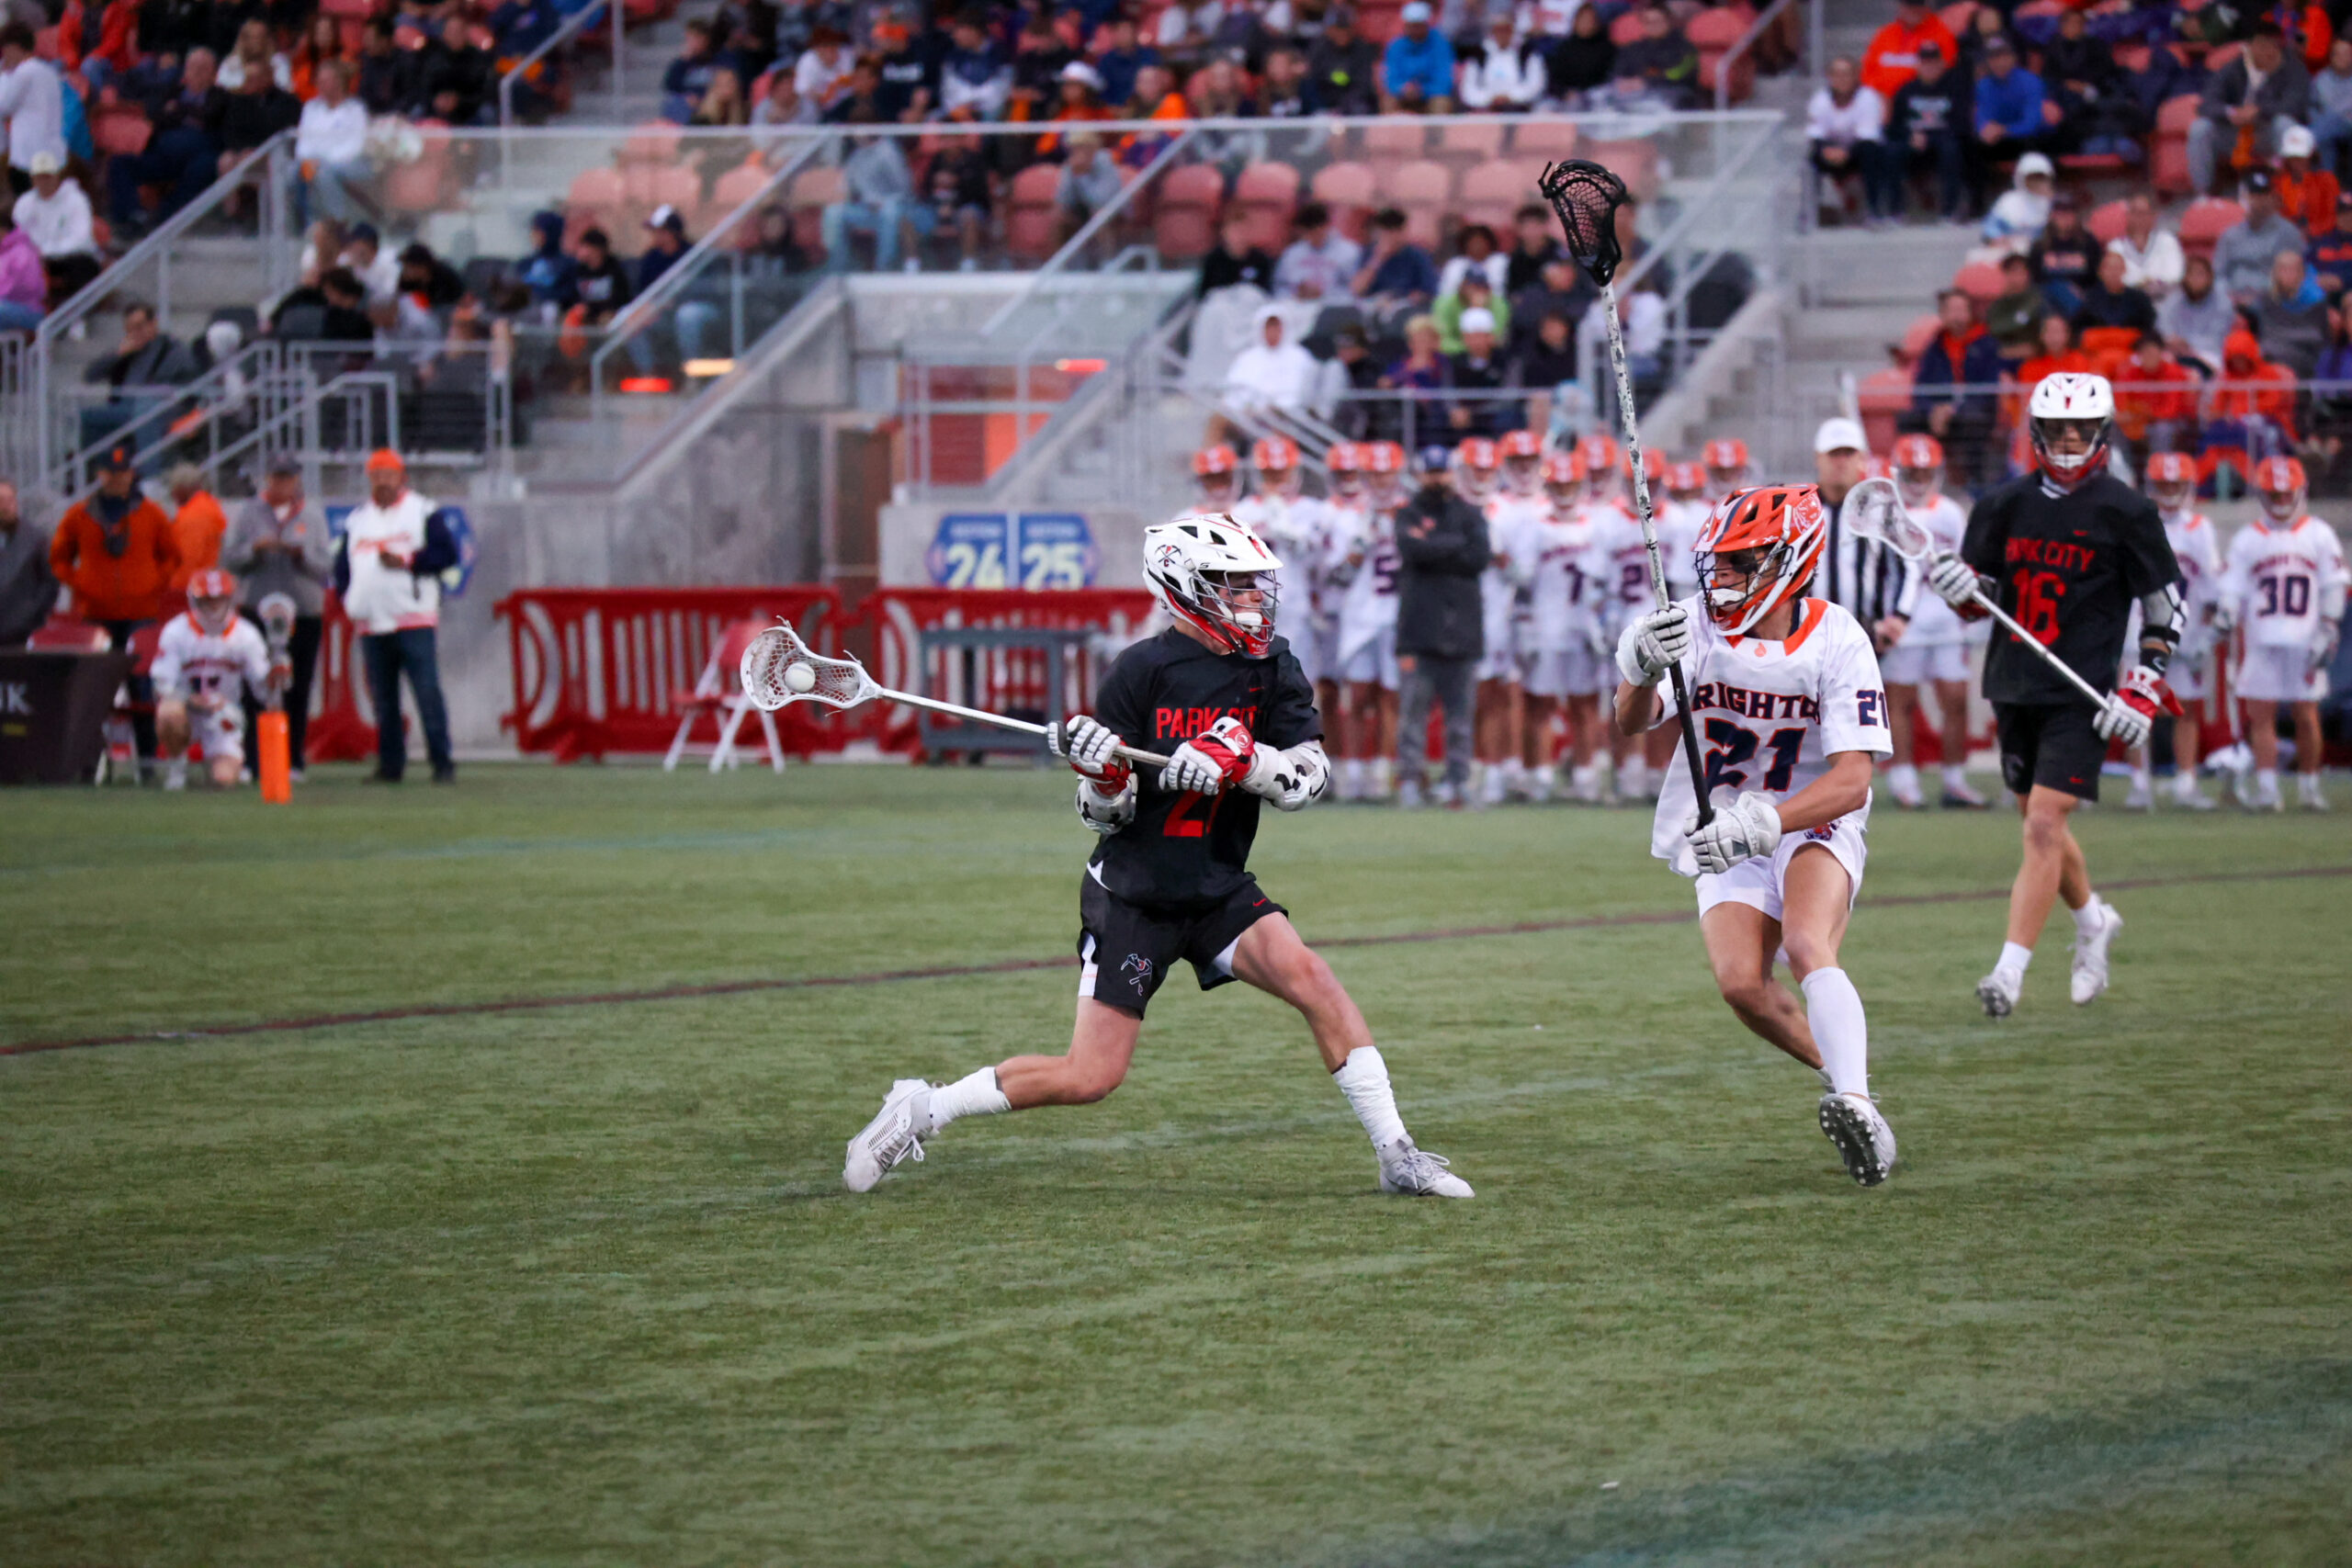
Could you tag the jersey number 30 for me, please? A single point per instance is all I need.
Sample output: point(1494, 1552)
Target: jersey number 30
point(1735, 748)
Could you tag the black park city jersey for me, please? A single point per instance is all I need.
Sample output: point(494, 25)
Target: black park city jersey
point(1185, 852)
point(2069, 567)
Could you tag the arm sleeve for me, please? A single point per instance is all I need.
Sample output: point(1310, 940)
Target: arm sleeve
point(1854, 699)
point(257, 660)
point(2333, 584)
point(440, 551)
point(237, 543)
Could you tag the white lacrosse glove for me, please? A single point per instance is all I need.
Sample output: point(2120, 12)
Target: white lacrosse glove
point(1953, 580)
point(1091, 750)
point(1652, 644)
point(2324, 645)
point(1745, 828)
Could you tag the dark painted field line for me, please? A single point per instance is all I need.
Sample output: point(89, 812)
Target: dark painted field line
point(1018, 966)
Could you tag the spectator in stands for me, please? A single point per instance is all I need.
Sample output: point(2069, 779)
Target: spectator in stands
point(2009, 120)
point(1286, 94)
point(1562, 290)
point(1582, 64)
point(1353, 374)
point(1321, 262)
point(434, 283)
point(28, 590)
point(2250, 104)
point(956, 186)
point(858, 100)
point(1546, 365)
point(1117, 65)
point(146, 359)
point(1417, 73)
point(1089, 182)
point(181, 154)
point(2155, 398)
point(603, 282)
point(1038, 56)
point(1424, 369)
point(255, 54)
point(197, 524)
point(2196, 317)
point(1657, 70)
point(112, 52)
point(257, 110)
point(32, 103)
point(552, 276)
point(1236, 259)
point(378, 271)
point(1441, 633)
point(24, 285)
point(1343, 66)
point(1480, 365)
point(1473, 293)
point(1506, 75)
point(1535, 244)
point(2242, 257)
point(460, 79)
point(904, 79)
point(2065, 259)
point(113, 550)
point(2111, 301)
point(2329, 252)
point(1397, 277)
point(55, 218)
point(1924, 133)
point(2088, 110)
point(2253, 412)
point(2306, 194)
point(2290, 315)
point(333, 309)
point(2152, 259)
point(322, 43)
point(686, 78)
point(975, 80)
point(879, 191)
point(1477, 253)
point(1893, 56)
point(2332, 108)
point(723, 103)
point(2061, 351)
point(386, 72)
point(386, 571)
point(1272, 372)
point(2014, 316)
point(2022, 212)
point(279, 543)
point(774, 252)
point(781, 106)
point(1844, 128)
point(691, 319)
point(1952, 387)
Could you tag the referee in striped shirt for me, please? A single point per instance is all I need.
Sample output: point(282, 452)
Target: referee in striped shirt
point(1877, 586)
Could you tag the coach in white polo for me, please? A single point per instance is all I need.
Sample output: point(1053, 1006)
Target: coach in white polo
point(388, 571)
point(1870, 582)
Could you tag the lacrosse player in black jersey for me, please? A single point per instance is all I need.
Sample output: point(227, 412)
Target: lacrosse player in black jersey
point(1169, 878)
point(2067, 550)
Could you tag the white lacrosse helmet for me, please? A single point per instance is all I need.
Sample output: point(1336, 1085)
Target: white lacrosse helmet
point(1201, 565)
point(2071, 398)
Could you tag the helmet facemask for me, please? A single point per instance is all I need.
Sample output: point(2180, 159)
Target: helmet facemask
point(1238, 607)
point(215, 613)
point(1917, 486)
point(2070, 450)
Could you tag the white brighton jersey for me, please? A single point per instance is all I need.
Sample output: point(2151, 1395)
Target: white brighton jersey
point(1622, 566)
point(1294, 528)
point(1680, 523)
point(2197, 546)
point(1511, 523)
point(1562, 589)
point(1770, 715)
point(193, 663)
point(1933, 622)
point(1363, 562)
point(2283, 580)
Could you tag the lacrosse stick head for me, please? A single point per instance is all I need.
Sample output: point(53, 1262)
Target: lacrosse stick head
point(1585, 198)
point(777, 668)
point(276, 614)
point(1874, 510)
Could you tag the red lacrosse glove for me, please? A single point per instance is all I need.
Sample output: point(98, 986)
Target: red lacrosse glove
point(1228, 747)
point(1091, 751)
point(2148, 691)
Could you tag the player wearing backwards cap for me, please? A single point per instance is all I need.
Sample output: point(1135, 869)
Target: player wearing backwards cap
point(1785, 690)
point(1170, 876)
point(2171, 481)
point(2067, 550)
point(1363, 565)
point(1570, 656)
point(1933, 650)
point(2283, 588)
point(207, 659)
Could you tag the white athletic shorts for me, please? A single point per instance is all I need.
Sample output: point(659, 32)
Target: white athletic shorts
point(1373, 662)
point(1317, 650)
point(1919, 664)
point(1566, 673)
point(1499, 663)
point(1758, 883)
point(2187, 684)
point(2279, 675)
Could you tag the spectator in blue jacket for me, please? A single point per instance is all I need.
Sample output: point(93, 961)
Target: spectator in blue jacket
point(1952, 386)
point(2013, 115)
point(1417, 73)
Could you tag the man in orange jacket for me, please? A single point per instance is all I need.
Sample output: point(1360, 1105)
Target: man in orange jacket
point(115, 551)
point(198, 526)
point(1893, 57)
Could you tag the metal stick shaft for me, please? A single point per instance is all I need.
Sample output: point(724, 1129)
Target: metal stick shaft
point(1003, 721)
point(1649, 539)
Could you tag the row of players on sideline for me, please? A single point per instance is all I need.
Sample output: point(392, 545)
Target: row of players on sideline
point(1568, 568)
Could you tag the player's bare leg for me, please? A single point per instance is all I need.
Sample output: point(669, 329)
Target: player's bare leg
point(1102, 1044)
point(2187, 754)
point(1952, 717)
point(2053, 868)
point(2308, 756)
point(1741, 941)
point(1584, 743)
point(1537, 746)
point(1816, 900)
point(1330, 704)
point(1494, 726)
point(1360, 739)
point(2262, 739)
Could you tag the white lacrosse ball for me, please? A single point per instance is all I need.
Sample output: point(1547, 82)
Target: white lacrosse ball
point(800, 677)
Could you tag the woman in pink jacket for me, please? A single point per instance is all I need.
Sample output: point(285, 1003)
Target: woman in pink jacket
point(24, 284)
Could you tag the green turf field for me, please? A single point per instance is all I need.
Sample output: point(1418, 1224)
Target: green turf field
point(579, 1284)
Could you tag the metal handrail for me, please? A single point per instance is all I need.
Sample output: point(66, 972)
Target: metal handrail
point(570, 30)
point(1739, 48)
point(1095, 225)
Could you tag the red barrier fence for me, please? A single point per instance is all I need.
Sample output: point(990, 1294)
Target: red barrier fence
point(343, 730)
point(599, 670)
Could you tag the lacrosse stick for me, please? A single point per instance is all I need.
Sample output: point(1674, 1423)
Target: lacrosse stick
point(1874, 510)
point(778, 669)
point(271, 737)
point(1585, 198)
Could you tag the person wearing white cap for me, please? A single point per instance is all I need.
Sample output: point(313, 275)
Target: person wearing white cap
point(32, 102)
point(55, 216)
point(1861, 576)
point(1417, 72)
point(2306, 194)
point(1478, 366)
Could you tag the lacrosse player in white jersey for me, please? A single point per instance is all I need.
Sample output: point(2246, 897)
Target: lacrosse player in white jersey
point(207, 659)
point(1291, 523)
point(1786, 694)
point(1362, 564)
point(1725, 459)
point(1932, 652)
point(2283, 587)
point(1341, 516)
point(1568, 656)
point(2171, 481)
point(1216, 478)
point(1512, 506)
point(1627, 572)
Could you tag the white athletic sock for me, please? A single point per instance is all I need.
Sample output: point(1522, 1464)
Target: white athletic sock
point(2308, 784)
point(2144, 775)
point(2086, 918)
point(1903, 779)
point(1955, 776)
point(1632, 777)
point(1586, 781)
point(1547, 779)
point(975, 1094)
point(1364, 1078)
point(1351, 779)
point(177, 770)
point(1383, 775)
point(2014, 960)
point(2265, 780)
point(1834, 1010)
point(2184, 783)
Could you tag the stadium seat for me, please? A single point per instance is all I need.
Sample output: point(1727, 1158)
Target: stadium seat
point(1491, 193)
point(2201, 225)
point(1718, 28)
point(1626, 27)
point(1636, 162)
point(678, 186)
point(62, 633)
point(1883, 395)
point(1981, 281)
point(1183, 221)
point(1266, 194)
point(2132, 57)
point(427, 182)
point(736, 186)
point(1958, 16)
point(2105, 221)
point(2218, 59)
point(810, 192)
point(121, 129)
point(1402, 137)
point(1031, 212)
point(1545, 141)
point(1918, 335)
point(1350, 192)
point(1473, 140)
point(1424, 190)
point(2168, 151)
point(597, 198)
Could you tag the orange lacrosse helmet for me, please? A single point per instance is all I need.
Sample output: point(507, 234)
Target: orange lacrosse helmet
point(1600, 449)
point(1520, 444)
point(1218, 472)
point(1726, 459)
point(2280, 484)
point(212, 600)
point(1475, 464)
point(1686, 480)
point(2172, 480)
point(1918, 468)
point(1274, 452)
point(1767, 542)
point(1653, 467)
point(1384, 457)
point(1564, 476)
point(1344, 463)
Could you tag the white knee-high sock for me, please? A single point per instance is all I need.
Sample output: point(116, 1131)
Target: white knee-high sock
point(1364, 1078)
point(1834, 1010)
point(975, 1094)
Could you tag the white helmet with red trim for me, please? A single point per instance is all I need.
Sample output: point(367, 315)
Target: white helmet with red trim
point(1217, 473)
point(213, 601)
point(1522, 454)
point(2071, 403)
point(1215, 575)
point(1918, 468)
point(1276, 459)
point(2279, 484)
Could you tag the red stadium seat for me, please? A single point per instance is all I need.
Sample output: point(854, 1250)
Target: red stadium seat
point(427, 182)
point(1719, 29)
point(1981, 281)
point(1183, 220)
point(1350, 192)
point(1543, 141)
point(62, 633)
point(121, 129)
point(1491, 193)
point(1424, 190)
point(2105, 221)
point(1031, 214)
point(2168, 152)
point(736, 186)
point(1402, 137)
point(1266, 194)
point(1626, 27)
point(811, 191)
point(1958, 16)
point(678, 188)
point(1636, 162)
point(2201, 225)
point(1476, 140)
point(598, 199)
point(1883, 395)
point(1918, 335)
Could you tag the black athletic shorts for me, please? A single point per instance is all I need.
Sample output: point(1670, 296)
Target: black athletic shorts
point(2051, 744)
point(1128, 949)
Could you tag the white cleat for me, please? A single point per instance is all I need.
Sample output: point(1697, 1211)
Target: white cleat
point(2312, 799)
point(2090, 955)
point(1998, 992)
point(2142, 798)
point(1864, 1140)
point(1410, 1170)
point(2191, 798)
point(895, 1135)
